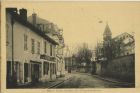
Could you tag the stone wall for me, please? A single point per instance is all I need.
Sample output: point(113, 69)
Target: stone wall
point(122, 68)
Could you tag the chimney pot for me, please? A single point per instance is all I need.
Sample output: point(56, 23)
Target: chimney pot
point(34, 15)
point(23, 14)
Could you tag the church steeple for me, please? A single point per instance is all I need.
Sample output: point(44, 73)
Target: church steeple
point(107, 35)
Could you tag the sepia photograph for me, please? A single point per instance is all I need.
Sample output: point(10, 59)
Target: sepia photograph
point(70, 45)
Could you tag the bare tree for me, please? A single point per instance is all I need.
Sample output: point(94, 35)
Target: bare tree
point(84, 55)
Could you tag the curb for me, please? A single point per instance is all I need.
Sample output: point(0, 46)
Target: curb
point(123, 83)
point(57, 84)
point(112, 81)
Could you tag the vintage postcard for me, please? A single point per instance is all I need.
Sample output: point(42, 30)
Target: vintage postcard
point(73, 46)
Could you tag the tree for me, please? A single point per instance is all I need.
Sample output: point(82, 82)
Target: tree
point(84, 55)
point(108, 51)
point(116, 48)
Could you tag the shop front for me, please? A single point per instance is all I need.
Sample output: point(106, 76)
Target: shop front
point(35, 71)
point(49, 67)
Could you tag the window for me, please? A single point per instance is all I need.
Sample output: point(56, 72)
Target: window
point(25, 42)
point(46, 67)
point(51, 50)
point(38, 47)
point(33, 46)
point(45, 50)
point(54, 68)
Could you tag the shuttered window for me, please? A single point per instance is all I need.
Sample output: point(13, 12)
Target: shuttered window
point(33, 46)
point(25, 42)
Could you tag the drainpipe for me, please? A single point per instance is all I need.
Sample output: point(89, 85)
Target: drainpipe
point(12, 24)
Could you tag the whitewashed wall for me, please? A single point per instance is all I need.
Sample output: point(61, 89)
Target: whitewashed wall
point(20, 54)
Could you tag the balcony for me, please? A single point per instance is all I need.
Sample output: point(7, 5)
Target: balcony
point(49, 58)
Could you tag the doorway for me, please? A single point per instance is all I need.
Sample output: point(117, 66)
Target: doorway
point(35, 72)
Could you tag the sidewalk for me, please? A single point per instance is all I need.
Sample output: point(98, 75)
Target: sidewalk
point(59, 80)
point(47, 84)
point(114, 80)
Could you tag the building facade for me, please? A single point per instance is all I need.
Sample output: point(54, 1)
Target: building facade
point(31, 53)
point(60, 56)
point(54, 32)
point(126, 44)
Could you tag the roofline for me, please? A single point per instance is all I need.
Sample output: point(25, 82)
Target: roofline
point(121, 34)
point(32, 27)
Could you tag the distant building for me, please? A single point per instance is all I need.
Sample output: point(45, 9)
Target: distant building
point(31, 53)
point(126, 44)
point(111, 48)
point(120, 45)
point(68, 64)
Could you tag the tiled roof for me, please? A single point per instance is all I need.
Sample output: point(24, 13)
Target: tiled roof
point(123, 34)
point(30, 26)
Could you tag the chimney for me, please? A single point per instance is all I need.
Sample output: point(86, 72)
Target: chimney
point(34, 19)
point(23, 14)
point(12, 10)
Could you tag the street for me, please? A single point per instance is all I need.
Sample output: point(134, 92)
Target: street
point(83, 80)
point(78, 80)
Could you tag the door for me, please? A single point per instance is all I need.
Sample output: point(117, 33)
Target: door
point(9, 73)
point(51, 72)
point(25, 72)
point(35, 72)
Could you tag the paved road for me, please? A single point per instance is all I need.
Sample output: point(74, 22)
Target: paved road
point(81, 80)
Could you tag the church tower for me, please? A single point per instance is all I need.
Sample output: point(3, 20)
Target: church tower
point(107, 35)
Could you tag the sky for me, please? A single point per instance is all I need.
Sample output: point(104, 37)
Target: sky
point(81, 21)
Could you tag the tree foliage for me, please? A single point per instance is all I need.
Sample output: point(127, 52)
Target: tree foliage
point(109, 51)
point(84, 54)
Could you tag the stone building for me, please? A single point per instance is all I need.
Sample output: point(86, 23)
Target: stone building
point(31, 53)
point(111, 48)
point(56, 34)
point(126, 44)
point(120, 45)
